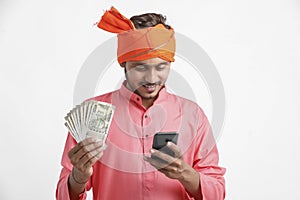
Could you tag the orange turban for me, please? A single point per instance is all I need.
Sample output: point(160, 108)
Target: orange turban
point(138, 44)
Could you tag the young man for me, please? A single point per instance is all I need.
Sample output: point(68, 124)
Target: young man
point(126, 167)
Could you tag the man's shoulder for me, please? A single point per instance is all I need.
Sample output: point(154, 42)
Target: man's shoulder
point(185, 103)
point(183, 100)
point(104, 97)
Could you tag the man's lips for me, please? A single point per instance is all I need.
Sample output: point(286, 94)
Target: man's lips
point(147, 84)
point(150, 87)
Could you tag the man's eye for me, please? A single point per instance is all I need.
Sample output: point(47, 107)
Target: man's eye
point(140, 68)
point(161, 67)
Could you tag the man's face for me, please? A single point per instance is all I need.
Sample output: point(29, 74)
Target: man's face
point(147, 77)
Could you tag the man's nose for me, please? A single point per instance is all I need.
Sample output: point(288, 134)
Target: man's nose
point(151, 76)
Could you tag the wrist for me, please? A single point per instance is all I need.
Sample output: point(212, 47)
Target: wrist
point(187, 174)
point(190, 179)
point(77, 178)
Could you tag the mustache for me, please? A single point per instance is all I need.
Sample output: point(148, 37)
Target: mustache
point(148, 83)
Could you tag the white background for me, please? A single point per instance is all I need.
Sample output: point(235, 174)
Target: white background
point(254, 44)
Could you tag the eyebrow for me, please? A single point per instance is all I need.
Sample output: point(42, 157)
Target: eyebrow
point(147, 65)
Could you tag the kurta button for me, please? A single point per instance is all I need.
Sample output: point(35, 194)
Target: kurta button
point(146, 116)
point(147, 135)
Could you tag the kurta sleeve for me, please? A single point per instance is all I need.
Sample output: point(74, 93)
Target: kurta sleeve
point(62, 190)
point(206, 159)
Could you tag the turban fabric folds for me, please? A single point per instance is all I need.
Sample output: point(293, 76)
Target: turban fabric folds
point(138, 44)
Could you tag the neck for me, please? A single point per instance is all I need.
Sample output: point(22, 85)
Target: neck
point(146, 102)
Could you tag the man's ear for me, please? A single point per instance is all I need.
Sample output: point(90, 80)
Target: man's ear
point(123, 64)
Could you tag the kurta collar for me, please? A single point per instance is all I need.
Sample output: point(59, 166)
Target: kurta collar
point(128, 94)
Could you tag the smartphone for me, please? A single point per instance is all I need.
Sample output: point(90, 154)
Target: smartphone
point(160, 141)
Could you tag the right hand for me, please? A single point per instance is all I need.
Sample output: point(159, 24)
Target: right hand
point(84, 155)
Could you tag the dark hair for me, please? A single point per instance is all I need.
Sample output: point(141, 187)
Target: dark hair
point(149, 20)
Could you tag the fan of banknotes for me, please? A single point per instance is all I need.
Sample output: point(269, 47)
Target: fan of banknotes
point(90, 118)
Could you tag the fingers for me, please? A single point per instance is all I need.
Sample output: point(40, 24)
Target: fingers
point(161, 160)
point(172, 167)
point(82, 144)
point(88, 155)
point(85, 154)
point(92, 159)
point(169, 171)
point(164, 157)
point(155, 162)
point(175, 149)
point(172, 170)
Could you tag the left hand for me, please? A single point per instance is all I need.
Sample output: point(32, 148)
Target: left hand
point(172, 167)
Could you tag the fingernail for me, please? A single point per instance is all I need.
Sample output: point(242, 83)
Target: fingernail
point(152, 150)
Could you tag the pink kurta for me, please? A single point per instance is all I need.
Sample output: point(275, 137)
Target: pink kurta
point(123, 174)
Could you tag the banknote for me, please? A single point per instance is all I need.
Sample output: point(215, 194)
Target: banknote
point(90, 119)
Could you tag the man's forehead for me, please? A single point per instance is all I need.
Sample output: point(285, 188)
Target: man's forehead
point(152, 61)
